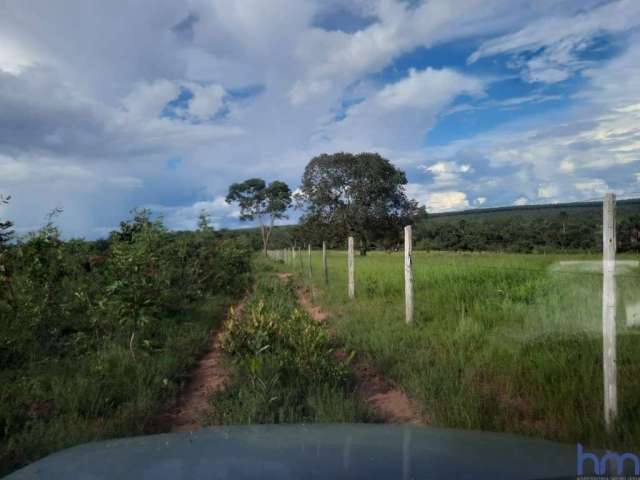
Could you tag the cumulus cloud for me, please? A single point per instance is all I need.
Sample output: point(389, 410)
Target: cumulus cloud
point(437, 201)
point(447, 173)
point(206, 101)
point(95, 104)
point(147, 100)
point(186, 217)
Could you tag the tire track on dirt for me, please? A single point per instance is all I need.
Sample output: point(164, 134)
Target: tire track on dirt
point(209, 376)
point(383, 396)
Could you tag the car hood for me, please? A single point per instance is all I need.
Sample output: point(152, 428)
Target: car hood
point(310, 452)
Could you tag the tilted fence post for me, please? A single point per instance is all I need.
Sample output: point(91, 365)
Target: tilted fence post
point(609, 310)
point(351, 269)
point(408, 275)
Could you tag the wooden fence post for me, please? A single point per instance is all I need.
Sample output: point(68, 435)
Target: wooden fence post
point(301, 259)
point(351, 269)
point(609, 310)
point(310, 271)
point(325, 267)
point(408, 275)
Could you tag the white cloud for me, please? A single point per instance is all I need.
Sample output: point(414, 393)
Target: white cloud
point(13, 58)
point(442, 201)
point(548, 191)
point(82, 121)
point(400, 113)
point(557, 157)
point(437, 201)
point(335, 59)
point(147, 100)
point(206, 101)
point(186, 217)
point(567, 165)
point(447, 173)
point(594, 187)
point(557, 41)
point(427, 89)
point(521, 201)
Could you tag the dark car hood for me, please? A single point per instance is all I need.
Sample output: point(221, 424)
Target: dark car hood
point(309, 452)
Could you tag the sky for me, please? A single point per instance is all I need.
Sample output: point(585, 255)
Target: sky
point(107, 106)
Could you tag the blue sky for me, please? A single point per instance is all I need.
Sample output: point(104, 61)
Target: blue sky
point(115, 105)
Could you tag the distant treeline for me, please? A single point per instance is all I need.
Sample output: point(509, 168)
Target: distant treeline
point(531, 228)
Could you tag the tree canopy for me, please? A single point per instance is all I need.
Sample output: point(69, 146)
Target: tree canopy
point(262, 203)
point(361, 195)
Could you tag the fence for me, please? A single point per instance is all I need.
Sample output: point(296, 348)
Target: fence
point(609, 296)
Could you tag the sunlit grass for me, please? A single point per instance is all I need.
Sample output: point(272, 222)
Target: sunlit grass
point(501, 342)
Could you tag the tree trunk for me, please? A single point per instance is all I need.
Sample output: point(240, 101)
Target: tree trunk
point(265, 239)
point(267, 236)
point(363, 248)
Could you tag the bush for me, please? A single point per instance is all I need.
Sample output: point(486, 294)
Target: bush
point(94, 337)
point(286, 367)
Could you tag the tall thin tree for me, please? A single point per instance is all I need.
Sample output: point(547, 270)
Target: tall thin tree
point(262, 203)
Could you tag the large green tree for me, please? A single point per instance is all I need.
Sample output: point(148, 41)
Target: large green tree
point(262, 203)
point(361, 195)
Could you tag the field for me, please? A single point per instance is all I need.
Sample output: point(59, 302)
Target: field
point(502, 342)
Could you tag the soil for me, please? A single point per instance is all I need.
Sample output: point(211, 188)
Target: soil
point(389, 402)
point(210, 375)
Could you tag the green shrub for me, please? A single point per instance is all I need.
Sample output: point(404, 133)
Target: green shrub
point(95, 337)
point(286, 370)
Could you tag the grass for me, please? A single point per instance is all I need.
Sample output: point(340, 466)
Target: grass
point(286, 371)
point(502, 342)
point(58, 402)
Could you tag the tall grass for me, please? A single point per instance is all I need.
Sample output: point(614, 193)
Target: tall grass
point(109, 392)
point(502, 342)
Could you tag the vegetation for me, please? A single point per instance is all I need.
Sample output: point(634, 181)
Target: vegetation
point(286, 371)
point(361, 195)
point(571, 227)
point(534, 228)
point(260, 202)
point(502, 342)
point(95, 338)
